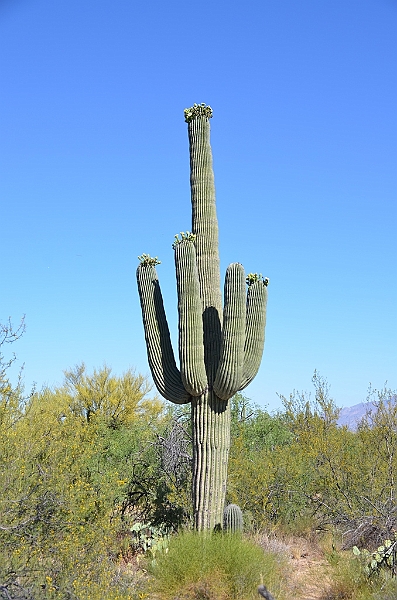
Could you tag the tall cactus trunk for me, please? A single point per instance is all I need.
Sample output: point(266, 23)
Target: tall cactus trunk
point(210, 414)
point(211, 442)
point(219, 350)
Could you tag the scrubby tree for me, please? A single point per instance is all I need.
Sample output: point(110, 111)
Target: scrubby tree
point(257, 439)
point(111, 399)
point(11, 395)
point(64, 478)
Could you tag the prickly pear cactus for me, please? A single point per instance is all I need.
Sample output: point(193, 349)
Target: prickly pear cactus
point(220, 348)
point(384, 557)
point(233, 519)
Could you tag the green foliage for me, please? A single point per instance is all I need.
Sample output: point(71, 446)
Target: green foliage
point(300, 409)
point(257, 429)
point(214, 567)
point(349, 581)
point(159, 485)
point(46, 499)
point(146, 537)
point(65, 463)
point(12, 398)
point(112, 400)
point(319, 472)
point(260, 444)
point(301, 467)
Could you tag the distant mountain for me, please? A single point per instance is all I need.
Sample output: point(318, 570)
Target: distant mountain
point(351, 415)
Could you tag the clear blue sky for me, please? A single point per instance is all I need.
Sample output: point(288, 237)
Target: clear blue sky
point(95, 170)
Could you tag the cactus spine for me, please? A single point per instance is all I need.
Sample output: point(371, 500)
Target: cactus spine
point(233, 519)
point(219, 350)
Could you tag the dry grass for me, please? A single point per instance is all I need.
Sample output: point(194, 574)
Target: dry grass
point(303, 568)
point(307, 567)
point(216, 567)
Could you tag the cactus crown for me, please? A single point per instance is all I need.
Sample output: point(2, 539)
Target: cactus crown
point(197, 110)
point(185, 235)
point(253, 277)
point(148, 260)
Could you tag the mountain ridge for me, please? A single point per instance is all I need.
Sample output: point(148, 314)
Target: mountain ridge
point(350, 416)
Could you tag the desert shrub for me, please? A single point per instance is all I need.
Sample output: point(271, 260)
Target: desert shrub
point(333, 476)
point(63, 477)
point(349, 580)
point(214, 567)
point(158, 490)
point(257, 437)
point(300, 470)
point(376, 517)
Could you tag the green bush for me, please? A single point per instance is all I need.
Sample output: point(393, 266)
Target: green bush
point(201, 566)
point(63, 479)
point(350, 580)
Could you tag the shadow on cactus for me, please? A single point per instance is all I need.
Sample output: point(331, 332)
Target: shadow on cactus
point(220, 347)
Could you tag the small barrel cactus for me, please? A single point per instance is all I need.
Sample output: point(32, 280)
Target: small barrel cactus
point(233, 518)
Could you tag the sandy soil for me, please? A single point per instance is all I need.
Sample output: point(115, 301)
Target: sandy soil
point(308, 576)
point(309, 572)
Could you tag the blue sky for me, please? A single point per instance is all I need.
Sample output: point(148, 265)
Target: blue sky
point(94, 170)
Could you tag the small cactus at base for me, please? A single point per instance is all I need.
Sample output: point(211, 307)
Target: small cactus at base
point(233, 519)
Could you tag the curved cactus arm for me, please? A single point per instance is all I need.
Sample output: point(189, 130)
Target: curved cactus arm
point(166, 375)
point(191, 348)
point(229, 374)
point(255, 329)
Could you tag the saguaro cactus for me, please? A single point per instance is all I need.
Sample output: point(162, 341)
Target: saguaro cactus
point(219, 350)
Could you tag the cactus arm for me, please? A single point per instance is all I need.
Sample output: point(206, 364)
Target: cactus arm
point(191, 349)
point(255, 330)
point(229, 374)
point(166, 376)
